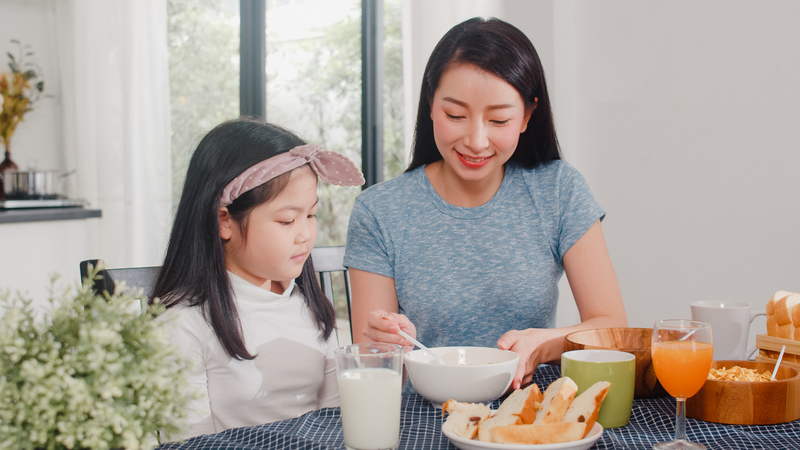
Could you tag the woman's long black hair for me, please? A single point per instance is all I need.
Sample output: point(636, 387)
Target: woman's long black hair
point(194, 270)
point(503, 50)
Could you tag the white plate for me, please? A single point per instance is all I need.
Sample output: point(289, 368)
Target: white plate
point(474, 444)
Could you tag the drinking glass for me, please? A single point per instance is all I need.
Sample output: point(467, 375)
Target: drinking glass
point(682, 353)
point(370, 385)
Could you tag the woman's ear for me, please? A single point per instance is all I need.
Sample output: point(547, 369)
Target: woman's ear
point(226, 223)
point(528, 114)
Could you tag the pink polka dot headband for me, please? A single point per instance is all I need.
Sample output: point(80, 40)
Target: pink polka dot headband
point(332, 167)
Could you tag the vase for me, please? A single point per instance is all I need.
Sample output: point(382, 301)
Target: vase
point(6, 165)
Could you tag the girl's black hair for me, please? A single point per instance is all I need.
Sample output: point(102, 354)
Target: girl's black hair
point(503, 50)
point(194, 270)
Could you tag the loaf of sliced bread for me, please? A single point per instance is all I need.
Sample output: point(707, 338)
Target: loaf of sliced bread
point(465, 418)
point(585, 408)
point(518, 408)
point(557, 399)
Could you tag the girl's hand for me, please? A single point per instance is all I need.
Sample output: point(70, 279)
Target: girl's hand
point(383, 327)
point(532, 346)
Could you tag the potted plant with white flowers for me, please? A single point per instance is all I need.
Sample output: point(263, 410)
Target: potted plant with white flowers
point(91, 373)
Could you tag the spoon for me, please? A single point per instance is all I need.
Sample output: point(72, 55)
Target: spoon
point(418, 344)
point(775, 370)
point(688, 334)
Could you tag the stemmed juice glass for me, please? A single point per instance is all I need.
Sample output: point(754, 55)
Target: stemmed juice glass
point(682, 353)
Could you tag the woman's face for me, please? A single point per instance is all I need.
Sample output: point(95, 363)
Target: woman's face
point(477, 119)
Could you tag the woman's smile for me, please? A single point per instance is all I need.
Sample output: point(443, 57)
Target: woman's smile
point(473, 162)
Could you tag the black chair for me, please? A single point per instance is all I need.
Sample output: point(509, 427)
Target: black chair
point(328, 260)
point(143, 278)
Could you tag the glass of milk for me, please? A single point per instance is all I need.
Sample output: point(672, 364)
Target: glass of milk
point(370, 391)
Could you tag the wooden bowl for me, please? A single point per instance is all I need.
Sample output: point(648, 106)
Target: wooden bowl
point(631, 340)
point(748, 402)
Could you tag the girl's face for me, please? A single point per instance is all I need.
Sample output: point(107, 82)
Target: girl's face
point(477, 119)
point(280, 234)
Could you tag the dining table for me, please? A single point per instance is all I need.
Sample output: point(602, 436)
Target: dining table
point(652, 420)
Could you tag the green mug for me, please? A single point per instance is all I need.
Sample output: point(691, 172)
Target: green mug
point(587, 367)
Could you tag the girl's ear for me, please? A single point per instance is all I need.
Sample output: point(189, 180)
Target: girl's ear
point(226, 223)
point(528, 114)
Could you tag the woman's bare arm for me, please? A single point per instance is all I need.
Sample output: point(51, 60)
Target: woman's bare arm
point(375, 309)
point(594, 285)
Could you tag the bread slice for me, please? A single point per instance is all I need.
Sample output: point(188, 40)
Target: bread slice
point(775, 297)
point(585, 408)
point(465, 418)
point(784, 313)
point(783, 308)
point(773, 326)
point(517, 409)
point(551, 433)
point(796, 322)
point(557, 399)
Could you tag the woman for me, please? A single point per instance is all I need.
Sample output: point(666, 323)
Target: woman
point(467, 246)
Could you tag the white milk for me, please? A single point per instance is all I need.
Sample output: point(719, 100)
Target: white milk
point(370, 408)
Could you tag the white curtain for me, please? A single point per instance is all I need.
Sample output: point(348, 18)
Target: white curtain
point(115, 84)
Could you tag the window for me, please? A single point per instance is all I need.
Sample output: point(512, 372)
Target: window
point(204, 74)
point(314, 88)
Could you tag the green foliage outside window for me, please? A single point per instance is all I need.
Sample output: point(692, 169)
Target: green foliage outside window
point(203, 41)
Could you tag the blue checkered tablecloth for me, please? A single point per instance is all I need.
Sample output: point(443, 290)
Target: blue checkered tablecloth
point(652, 421)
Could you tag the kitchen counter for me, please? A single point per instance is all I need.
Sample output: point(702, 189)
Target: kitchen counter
point(47, 214)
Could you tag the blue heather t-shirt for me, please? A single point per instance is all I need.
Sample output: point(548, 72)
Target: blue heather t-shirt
point(466, 276)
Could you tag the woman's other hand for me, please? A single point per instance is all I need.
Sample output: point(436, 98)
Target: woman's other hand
point(534, 346)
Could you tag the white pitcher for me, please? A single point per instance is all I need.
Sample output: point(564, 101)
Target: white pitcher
point(730, 324)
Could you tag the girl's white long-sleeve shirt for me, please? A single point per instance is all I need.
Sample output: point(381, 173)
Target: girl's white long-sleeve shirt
point(293, 372)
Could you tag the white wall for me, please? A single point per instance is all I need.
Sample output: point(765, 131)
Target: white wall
point(37, 140)
point(682, 116)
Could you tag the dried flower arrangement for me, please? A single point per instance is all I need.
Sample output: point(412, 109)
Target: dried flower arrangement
point(20, 89)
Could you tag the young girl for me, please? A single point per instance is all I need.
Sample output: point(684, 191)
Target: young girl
point(244, 304)
point(467, 246)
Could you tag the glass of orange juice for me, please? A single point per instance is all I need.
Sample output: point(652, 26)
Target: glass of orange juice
point(682, 353)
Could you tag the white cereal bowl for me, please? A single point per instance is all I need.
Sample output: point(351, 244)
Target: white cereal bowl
point(470, 374)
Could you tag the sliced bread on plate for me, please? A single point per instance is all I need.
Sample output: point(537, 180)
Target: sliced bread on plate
point(547, 433)
point(465, 418)
point(557, 399)
point(585, 408)
point(519, 408)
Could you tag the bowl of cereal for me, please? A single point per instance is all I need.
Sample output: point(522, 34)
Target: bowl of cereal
point(741, 393)
point(470, 374)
